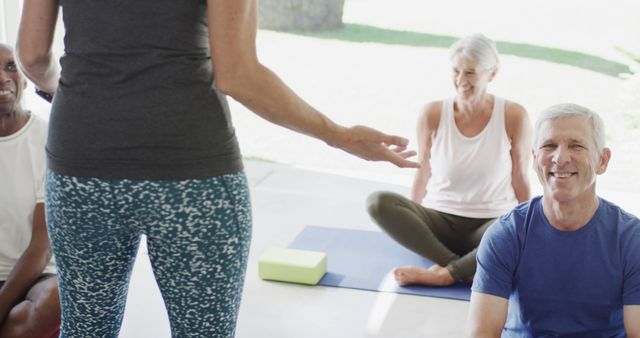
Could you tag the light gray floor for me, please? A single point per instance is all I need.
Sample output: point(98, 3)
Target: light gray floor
point(285, 199)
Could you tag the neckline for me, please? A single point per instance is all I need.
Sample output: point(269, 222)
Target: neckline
point(550, 228)
point(483, 131)
point(21, 131)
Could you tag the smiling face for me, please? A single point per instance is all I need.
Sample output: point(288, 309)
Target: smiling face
point(469, 77)
point(11, 83)
point(567, 161)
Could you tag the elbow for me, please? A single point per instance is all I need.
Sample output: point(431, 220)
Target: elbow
point(235, 83)
point(226, 85)
point(229, 75)
point(32, 60)
point(237, 78)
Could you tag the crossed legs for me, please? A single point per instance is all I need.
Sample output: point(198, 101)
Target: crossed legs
point(448, 240)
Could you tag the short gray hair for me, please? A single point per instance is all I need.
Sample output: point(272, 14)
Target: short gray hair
point(476, 47)
point(564, 110)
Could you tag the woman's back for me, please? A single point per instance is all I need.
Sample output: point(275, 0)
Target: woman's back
point(136, 96)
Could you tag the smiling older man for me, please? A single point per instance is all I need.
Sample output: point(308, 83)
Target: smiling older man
point(566, 264)
point(29, 305)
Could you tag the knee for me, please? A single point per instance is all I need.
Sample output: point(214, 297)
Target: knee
point(36, 316)
point(18, 315)
point(46, 309)
point(380, 203)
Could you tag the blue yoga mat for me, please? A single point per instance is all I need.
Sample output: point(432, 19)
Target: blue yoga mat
point(360, 259)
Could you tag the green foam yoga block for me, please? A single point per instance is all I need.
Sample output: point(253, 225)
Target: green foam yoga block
point(292, 265)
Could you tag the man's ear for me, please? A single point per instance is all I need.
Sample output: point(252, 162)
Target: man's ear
point(603, 161)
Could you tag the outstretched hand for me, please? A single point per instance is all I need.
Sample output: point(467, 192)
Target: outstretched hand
point(372, 145)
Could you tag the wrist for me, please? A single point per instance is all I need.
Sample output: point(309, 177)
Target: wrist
point(44, 95)
point(337, 136)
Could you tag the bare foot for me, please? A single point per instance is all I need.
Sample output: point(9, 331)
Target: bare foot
point(434, 276)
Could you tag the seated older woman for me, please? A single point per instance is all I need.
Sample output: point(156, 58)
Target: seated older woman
point(29, 305)
point(474, 154)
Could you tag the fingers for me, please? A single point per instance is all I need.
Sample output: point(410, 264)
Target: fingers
point(396, 149)
point(407, 154)
point(388, 140)
point(377, 146)
point(400, 160)
point(397, 141)
point(402, 163)
point(400, 155)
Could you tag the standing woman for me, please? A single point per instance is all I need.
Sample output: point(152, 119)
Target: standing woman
point(141, 142)
point(474, 152)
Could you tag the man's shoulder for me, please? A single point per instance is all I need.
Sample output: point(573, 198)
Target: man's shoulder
point(621, 227)
point(512, 226)
point(517, 216)
point(36, 134)
point(624, 220)
point(39, 125)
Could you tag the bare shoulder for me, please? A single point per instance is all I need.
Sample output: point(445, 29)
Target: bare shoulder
point(514, 110)
point(430, 115)
point(515, 116)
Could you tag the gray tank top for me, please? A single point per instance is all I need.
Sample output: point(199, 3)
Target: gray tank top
point(137, 97)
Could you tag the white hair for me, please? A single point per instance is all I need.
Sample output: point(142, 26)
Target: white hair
point(565, 110)
point(476, 47)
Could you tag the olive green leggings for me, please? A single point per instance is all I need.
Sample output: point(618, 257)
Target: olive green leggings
point(448, 240)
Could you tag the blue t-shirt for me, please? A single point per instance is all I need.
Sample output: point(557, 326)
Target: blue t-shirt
point(562, 283)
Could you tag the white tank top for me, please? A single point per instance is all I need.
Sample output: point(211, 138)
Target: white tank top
point(471, 176)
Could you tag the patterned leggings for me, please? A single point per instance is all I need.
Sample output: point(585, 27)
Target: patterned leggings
point(198, 236)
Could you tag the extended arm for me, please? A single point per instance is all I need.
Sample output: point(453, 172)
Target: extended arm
point(35, 36)
point(520, 133)
point(632, 320)
point(238, 72)
point(425, 131)
point(487, 315)
point(29, 267)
